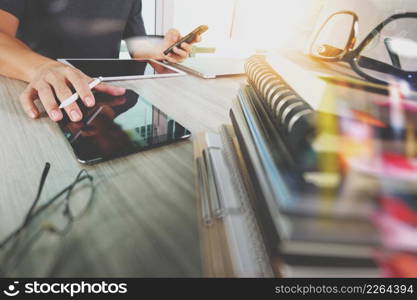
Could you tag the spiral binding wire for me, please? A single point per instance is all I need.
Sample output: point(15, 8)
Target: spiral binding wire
point(287, 107)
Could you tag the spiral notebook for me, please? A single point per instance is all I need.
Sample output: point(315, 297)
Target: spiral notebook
point(288, 108)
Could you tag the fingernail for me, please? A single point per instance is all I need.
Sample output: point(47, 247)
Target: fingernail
point(75, 116)
point(56, 115)
point(89, 101)
point(121, 90)
point(33, 114)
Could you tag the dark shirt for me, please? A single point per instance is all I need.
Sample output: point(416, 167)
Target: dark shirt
point(76, 28)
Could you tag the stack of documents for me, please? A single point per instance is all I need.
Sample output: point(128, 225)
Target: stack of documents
point(323, 168)
point(312, 224)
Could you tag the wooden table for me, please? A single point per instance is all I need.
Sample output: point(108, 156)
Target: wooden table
point(143, 220)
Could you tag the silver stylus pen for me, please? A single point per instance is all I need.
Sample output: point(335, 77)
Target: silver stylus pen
point(74, 97)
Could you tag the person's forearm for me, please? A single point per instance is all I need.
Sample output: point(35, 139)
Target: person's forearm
point(18, 61)
point(143, 49)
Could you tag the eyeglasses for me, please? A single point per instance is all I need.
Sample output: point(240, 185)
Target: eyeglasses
point(387, 54)
point(73, 202)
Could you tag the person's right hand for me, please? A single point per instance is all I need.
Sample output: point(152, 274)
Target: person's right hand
point(55, 78)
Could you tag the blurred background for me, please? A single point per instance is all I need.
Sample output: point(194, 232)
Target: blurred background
point(241, 27)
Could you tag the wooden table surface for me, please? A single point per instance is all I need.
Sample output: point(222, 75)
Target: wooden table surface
point(143, 221)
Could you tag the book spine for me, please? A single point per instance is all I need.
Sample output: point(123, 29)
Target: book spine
point(291, 113)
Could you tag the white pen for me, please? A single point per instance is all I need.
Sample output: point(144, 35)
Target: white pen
point(74, 97)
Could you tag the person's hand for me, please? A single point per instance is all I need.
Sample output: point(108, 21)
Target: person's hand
point(180, 53)
point(55, 78)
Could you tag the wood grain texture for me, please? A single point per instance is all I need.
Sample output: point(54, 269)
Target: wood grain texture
point(143, 220)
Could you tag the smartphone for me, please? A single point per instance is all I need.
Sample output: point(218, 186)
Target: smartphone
point(188, 38)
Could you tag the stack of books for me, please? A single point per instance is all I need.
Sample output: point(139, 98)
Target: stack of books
point(292, 188)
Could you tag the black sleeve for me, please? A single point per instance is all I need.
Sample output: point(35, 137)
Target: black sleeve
point(15, 7)
point(134, 26)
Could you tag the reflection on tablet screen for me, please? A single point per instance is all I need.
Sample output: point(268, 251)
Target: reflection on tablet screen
point(118, 126)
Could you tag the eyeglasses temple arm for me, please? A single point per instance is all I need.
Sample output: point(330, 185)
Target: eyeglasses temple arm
point(366, 62)
point(32, 207)
point(38, 195)
point(376, 65)
point(395, 59)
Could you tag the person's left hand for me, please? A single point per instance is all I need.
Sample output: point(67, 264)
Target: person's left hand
point(180, 53)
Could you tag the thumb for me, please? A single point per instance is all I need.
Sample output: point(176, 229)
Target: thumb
point(173, 35)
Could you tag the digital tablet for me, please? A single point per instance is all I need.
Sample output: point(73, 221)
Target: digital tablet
point(118, 126)
point(213, 67)
point(123, 69)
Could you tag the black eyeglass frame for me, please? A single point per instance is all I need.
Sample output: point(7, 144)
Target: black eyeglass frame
point(35, 211)
point(352, 56)
point(11, 245)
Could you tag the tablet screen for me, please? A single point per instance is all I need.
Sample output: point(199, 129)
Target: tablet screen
point(120, 68)
point(118, 126)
